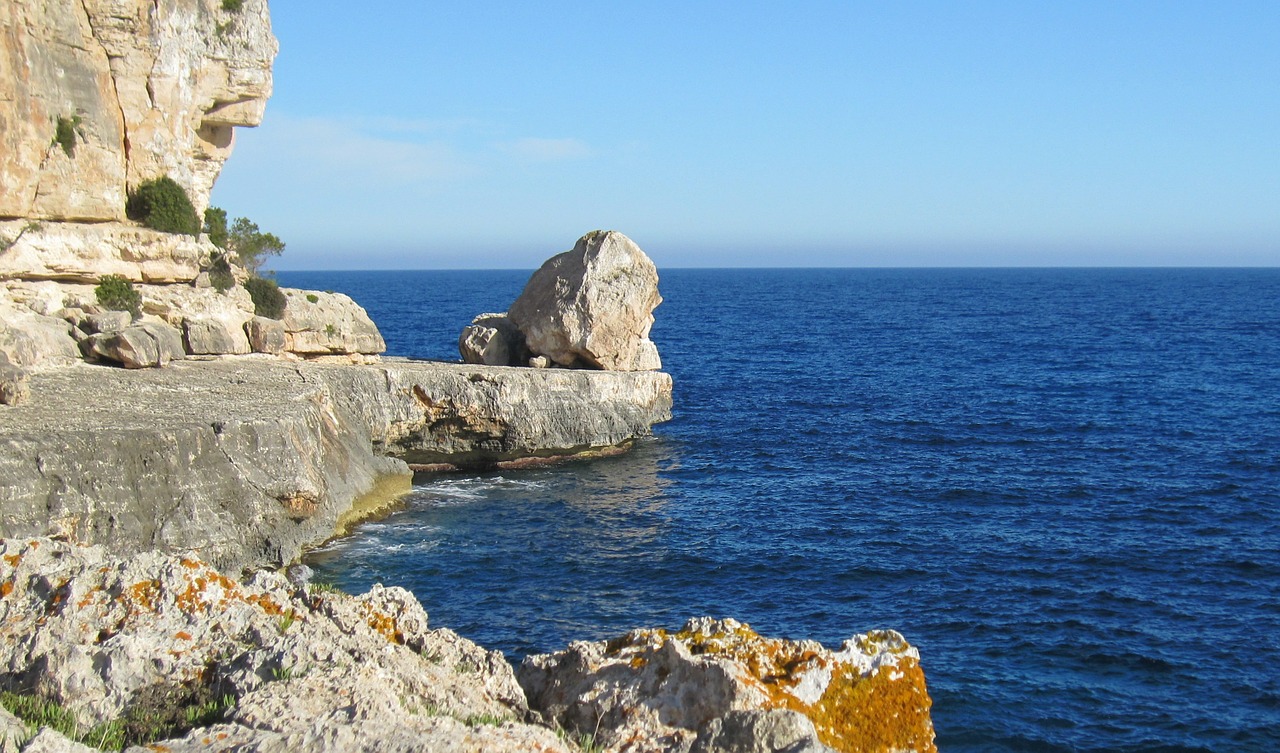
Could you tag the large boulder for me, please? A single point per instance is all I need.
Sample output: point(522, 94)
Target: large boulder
point(492, 340)
point(719, 686)
point(318, 324)
point(139, 346)
point(592, 307)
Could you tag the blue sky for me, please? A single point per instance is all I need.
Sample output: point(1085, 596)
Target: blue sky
point(491, 135)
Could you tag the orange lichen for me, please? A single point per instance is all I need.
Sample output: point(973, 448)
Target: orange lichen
point(385, 624)
point(13, 559)
point(6, 588)
point(888, 709)
point(144, 594)
point(182, 635)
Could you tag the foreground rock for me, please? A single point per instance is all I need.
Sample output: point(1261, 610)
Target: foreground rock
point(492, 340)
point(251, 460)
point(592, 307)
point(141, 641)
point(716, 685)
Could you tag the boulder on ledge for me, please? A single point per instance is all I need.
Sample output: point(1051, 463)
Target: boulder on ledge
point(592, 307)
point(492, 340)
point(716, 685)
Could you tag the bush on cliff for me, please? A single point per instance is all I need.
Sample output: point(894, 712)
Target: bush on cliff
point(116, 293)
point(268, 301)
point(162, 205)
point(250, 245)
point(215, 226)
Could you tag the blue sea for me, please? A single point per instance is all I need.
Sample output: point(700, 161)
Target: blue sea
point(1062, 485)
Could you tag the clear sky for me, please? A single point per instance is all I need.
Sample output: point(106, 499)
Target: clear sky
point(406, 134)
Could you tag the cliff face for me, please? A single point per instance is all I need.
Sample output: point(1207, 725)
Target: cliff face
point(98, 96)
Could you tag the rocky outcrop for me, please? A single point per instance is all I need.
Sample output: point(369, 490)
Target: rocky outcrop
point(106, 94)
point(246, 461)
point(716, 685)
point(263, 665)
point(592, 307)
point(250, 460)
point(318, 323)
point(492, 340)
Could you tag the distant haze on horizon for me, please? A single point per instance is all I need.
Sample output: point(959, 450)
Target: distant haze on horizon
point(829, 134)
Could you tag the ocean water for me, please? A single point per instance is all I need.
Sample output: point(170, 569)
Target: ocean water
point(1063, 486)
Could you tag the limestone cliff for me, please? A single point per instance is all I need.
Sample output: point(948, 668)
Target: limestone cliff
point(98, 96)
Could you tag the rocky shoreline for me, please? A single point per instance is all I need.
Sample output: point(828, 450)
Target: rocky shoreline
point(160, 652)
point(250, 460)
point(175, 433)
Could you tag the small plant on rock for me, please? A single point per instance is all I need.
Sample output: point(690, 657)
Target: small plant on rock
point(220, 275)
point(162, 205)
point(116, 293)
point(233, 6)
point(268, 301)
point(65, 132)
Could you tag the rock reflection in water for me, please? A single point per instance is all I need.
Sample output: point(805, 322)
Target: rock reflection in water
point(517, 559)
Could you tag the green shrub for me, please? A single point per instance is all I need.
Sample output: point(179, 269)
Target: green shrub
point(232, 6)
point(215, 226)
point(64, 134)
point(312, 297)
point(220, 275)
point(162, 205)
point(268, 301)
point(115, 293)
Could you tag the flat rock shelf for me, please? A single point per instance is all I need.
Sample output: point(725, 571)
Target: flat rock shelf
point(251, 460)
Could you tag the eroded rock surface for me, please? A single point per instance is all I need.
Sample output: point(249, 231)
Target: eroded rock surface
point(143, 90)
point(305, 669)
point(716, 685)
point(592, 306)
point(492, 340)
point(249, 460)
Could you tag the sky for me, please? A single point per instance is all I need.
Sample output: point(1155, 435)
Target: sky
point(487, 135)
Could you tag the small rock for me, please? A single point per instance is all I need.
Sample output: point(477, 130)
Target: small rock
point(771, 731)
point(540, 362)
point(107, 322)
point(141, 346)
point(13, 383)
point(299, 575)
point(492, 340)
point(265, 335)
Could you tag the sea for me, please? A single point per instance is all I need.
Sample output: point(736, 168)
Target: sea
point(1062, 485)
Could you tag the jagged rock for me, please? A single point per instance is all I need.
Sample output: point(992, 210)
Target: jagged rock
point(144, 90)
point(12, 732)
point(592, 307)
point(139, 346)
point(317, 323)
point(654, 690)
point(540, 362)
point(251, 460)
point(48, 740)
point(213, 337)
point(265, 335)
point(308, 670)
point(492, 340)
